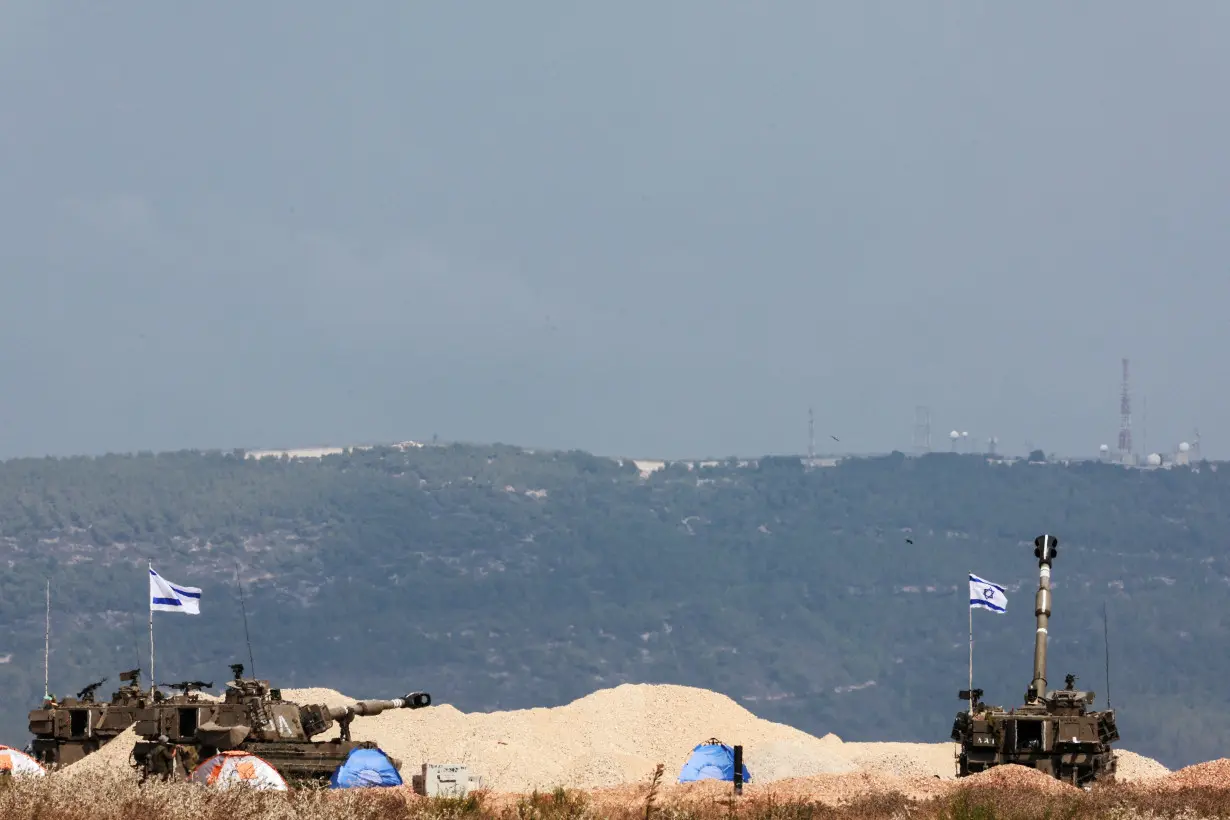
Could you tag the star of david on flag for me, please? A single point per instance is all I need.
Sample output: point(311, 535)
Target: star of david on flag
point(986, 595)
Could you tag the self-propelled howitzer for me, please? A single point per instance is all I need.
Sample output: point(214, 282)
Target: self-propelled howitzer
point(253, 717)
point(1054, 731)
point(68, 730)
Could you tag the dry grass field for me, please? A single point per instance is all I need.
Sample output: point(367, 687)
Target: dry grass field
point(1010, 793)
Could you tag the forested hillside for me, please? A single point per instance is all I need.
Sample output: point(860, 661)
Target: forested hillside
point(498, 578)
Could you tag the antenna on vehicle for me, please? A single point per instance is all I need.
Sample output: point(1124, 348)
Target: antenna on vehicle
point(136, 646)
point(47, 649)
point(1106, 643)
point(243, 608)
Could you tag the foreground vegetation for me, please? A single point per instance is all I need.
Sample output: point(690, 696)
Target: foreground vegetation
point(496, 578)
point(105, 799)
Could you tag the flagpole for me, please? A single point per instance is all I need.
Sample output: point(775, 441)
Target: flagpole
point(971, 659)
point(151, 638)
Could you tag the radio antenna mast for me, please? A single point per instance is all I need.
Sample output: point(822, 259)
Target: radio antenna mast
point(1106, 643)
point(47, 648)
point(243, 608)
point(136, 647)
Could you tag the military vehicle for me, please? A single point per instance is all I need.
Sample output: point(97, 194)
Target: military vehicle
point(1054, 731)
point(68, 730)
point(253, 717)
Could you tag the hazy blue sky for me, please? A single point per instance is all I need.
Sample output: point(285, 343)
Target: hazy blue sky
point(654, 228)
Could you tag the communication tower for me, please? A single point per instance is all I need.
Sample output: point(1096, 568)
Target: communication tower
point(922, 429)
point(1144, 422)
point(811, 435)
point(1125, 418)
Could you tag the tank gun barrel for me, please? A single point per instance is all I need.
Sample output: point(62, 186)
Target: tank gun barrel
point(1045, 549)
point(367, 708)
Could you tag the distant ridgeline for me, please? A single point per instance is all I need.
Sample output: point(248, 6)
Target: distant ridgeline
point(499, 578)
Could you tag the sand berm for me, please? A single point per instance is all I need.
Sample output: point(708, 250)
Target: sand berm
point(615, 737)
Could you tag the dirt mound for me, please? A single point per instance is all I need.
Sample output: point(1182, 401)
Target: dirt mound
point(835, 789)
point(905, 760)
point(608, 738)
point(615, 737)
point(1013, 776)
point(306, 697)
point(1132, 768)
point(1212, 774)
point(782, 759)
point(111, 760)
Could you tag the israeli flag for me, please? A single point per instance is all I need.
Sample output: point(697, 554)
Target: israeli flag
point(167, 597)
point(986, 595)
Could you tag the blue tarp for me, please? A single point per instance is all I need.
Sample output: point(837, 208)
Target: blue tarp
point(365, 767)
point(712, 761)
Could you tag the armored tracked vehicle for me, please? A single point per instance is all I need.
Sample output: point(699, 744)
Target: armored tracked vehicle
point(1055, 731)
point(252, 717)
point(68, 730)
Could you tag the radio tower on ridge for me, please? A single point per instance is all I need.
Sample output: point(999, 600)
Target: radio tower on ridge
point(811, 436)
point(1125, 419)
point(922, 429)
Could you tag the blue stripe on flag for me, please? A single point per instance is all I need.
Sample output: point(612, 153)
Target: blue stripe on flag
point(985, 603)
point(168, 601)
point(978, 580)
point(177, 590)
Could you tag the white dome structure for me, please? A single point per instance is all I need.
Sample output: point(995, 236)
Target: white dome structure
point(954, 435)
point(1103, 449)
point(1184, 447)
point(1154, 460)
